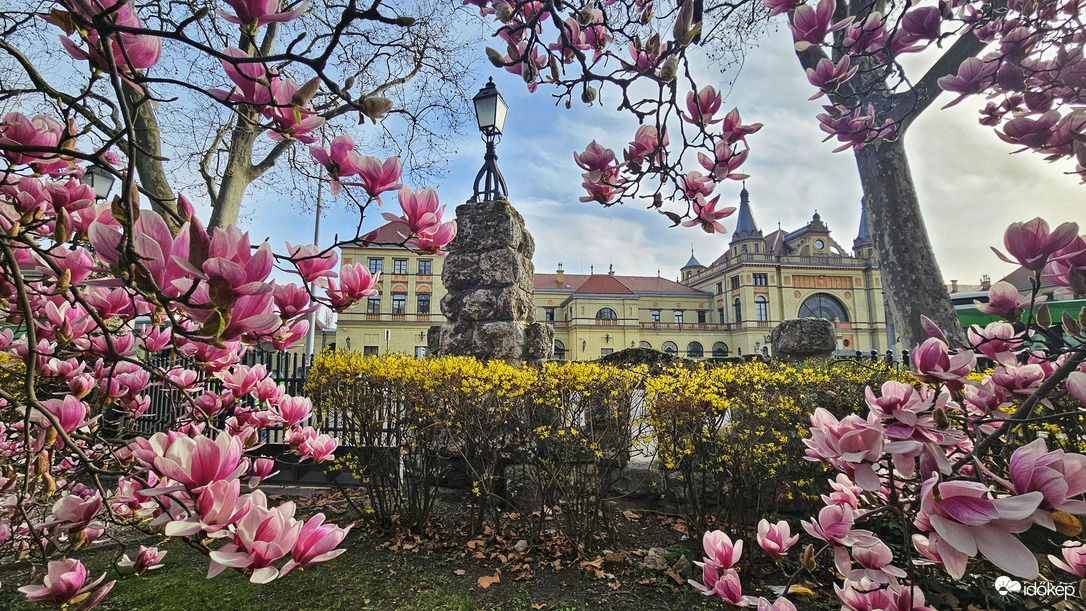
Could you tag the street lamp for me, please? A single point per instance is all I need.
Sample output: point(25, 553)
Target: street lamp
point(99, 179)
point(490, 111)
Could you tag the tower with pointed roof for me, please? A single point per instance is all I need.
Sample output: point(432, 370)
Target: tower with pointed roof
point(692, 267)
point(747, 237)
point(863, 246)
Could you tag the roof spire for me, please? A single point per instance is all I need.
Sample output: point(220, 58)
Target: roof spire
point(864, 233)
point(745, 227)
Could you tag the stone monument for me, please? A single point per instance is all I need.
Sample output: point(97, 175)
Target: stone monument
point(802, 339)
point(488, 274)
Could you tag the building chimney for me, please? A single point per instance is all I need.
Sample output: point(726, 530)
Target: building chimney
point(611, 269)
point(985, 282)
point(560, 276)
point(953, 286)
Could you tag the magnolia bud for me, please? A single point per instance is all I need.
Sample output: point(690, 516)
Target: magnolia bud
point(807, 558)
point(50, 436)
point(41, 464)
point(646, 15)
point(347, 84)
point(1070, 325)
point(375, 107)
point(50, 484)
point(683, 21)
point(569, 104)
point(1044, 318)
point(669, 69)
point(64, 282)
point(1067, 524)
point(503, 11)
point(939, 416)
point(555, 74)
point(495, 57)
point(588, 94)
point(586, 15)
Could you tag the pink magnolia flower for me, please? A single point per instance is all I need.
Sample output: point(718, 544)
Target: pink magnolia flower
point(355, 282)
point(781, 604)
point(1030, 132)
point(316, 543)
point(724, 584)
point(726, 161)
point(828, 76)
point(65, 583)
point(775, 538)
point(922, 22)
point(263, 536)
point(811, 25)
point(853, 445)
point(707, 216)
point(1067, 266)
point(147, 559)
point(645, 58)
point(997, 340)
point(253, 82)
point(42, 131)
point(647, 145)
point(974, 75)
point(695, 183)
point(776, 7)
point(1004, 300)
point(845, 492)
point(968, 521)
point(733, 129)
point(292, 120)
point(1058, 476)
point(1020, 380)
point(933, 363)
point(261, 470)
point(319, 448)
point(719, 550)
point(596, 160)
point(312, 265)
point(129, 51)
point(259, 12)
point(73, 513)
point(1032, 243)
point(867, 36)
point(294, 410)
point(702, 106)
point(218, 505)
point(874, 561)
point(376, 177)
point(422, 211)
point(435, 239)
point(1076, 385)
point(197, 462)
point(70, 412)
point(866, 595)
point(1074, 558)
point(291, 300)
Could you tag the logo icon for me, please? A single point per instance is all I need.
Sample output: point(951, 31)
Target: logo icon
point(1005, 585)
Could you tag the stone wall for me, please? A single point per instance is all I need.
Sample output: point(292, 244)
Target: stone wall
point(488, 274)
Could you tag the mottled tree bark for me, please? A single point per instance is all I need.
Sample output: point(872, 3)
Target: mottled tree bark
point(910, 276)
point(147, 154)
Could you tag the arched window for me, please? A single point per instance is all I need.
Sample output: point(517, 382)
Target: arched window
point(670, 348)
point(821, 305)
point(694, 350)
point(559, 350)
point(720, 350)
point(761, 308)
point(644, 344)
point(738, 305)
point(606, 313)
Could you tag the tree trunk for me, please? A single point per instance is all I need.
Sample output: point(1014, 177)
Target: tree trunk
point(238, 175)
point(910, 276)
point(147, 154)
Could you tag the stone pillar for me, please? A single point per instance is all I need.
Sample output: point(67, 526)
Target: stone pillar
point(803, 339)
point(488, 278)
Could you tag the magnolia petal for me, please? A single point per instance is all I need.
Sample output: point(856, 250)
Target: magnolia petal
point(1006, 552)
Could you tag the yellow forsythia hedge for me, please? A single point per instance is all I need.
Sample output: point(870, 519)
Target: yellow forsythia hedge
point(729, 436)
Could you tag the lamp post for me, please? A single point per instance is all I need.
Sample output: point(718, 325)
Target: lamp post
point(99, 179)
point(490, 111)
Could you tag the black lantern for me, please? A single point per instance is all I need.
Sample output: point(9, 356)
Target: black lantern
point(490, 111)
point(99, 179)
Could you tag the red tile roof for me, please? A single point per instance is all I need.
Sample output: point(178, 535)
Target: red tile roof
point(602, 284)
point(621, 285)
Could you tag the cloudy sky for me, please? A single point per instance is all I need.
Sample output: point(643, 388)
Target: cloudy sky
point(970, 187)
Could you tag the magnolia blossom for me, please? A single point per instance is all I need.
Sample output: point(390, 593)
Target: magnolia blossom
point(197, 462)
point(811, 25)
point(65, 583)
point(1074, 558)
point(1032, 243)
point(774, 538)
point(1059, 476)
point(147, 559)
point(707, 216)
point(702, 106)
point(259, 12)
point(866, 595)
point(263, 536)
point(316, 543)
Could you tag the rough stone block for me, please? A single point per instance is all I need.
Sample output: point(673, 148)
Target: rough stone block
point(499, 340)
point(538, 342)
point(482, 232)
point(804, 338)
point(433, 339)
point(457, 338)
point(460, 271)
point(503, 267)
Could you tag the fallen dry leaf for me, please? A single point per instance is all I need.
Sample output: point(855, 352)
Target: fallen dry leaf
point(540, 606)
point(488, 580)
point(680, 528)
point(459, 572)
point(672, 574)
point(614, 585)
point(631, 516)
point(474, 543)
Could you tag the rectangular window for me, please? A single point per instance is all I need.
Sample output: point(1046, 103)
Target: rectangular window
point(424, 267)
point(679, 316)
point(399, 303)
point(376, 265)
point(369, 350)
point(720, 312)
point(738, 311)
point(399, 266)
point(606, 351)
point(735, 282)
point(373, 305)
point(548, 314)
point(422, 305)
point(656, 316)
point(762, 307)
point(719, 288)
point(761, 279)
point(701, 316)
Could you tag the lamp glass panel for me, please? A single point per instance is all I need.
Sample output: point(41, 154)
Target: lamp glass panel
point(501, 110)
point(485, 109)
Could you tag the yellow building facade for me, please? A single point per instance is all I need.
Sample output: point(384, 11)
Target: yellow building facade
point(727, 308)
